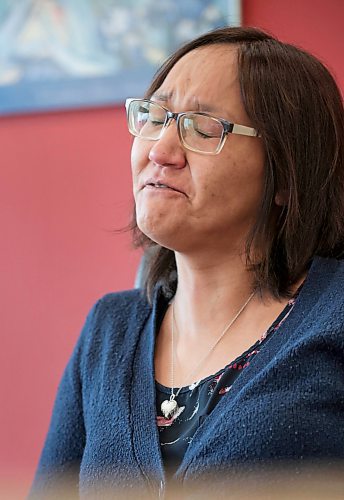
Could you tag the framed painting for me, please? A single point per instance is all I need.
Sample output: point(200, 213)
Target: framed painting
point(60, 54)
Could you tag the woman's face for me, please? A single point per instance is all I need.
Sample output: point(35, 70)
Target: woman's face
point(215, 198)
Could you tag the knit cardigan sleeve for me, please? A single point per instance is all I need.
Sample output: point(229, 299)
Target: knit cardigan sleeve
point(59, 463)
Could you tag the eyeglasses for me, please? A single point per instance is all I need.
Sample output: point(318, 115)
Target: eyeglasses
point(198, 131)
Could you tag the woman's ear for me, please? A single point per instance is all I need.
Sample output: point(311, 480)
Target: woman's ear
point(281, 198)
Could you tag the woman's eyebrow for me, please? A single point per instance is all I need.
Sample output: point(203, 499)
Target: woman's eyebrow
point(206, 107)
point(167, 96)
point(162, 96)
point(199, 106)
point(211, 109)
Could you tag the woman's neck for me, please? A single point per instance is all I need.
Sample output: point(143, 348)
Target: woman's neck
point(210, 292)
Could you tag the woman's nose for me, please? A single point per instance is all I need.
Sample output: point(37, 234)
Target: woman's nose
point(168, 150)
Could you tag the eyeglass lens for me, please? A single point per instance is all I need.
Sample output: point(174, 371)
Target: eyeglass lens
point(198, 132)
point(201, 132)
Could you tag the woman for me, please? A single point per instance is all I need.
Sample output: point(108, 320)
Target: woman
point(232, 361)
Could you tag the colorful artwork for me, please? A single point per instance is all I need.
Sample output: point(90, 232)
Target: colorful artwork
point(67, 53)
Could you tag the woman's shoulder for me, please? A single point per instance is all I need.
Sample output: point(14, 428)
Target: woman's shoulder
point(119, 308)
point(327, 274)
point(123, 302)
point(116, 319)
point(322, 292)
point(319, 308)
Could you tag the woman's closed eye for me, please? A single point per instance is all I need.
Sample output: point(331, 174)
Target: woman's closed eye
point(205, 134)
point(156, 122)
point(204, 127)
point(156, 119)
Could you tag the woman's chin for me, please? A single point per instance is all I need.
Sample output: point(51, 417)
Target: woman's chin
point(166, 235)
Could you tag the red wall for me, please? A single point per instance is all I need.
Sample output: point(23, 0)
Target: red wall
point(316, 25)
point(64, 188)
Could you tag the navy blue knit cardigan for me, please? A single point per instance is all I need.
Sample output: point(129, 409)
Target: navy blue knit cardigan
point(286, 407)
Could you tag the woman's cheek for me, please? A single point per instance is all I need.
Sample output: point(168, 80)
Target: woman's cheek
point(137, 164)
point(139, 153)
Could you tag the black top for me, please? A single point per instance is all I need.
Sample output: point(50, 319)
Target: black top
point(200, 398)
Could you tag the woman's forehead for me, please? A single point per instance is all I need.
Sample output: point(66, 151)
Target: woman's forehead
point(215, 62)
point(205, 79)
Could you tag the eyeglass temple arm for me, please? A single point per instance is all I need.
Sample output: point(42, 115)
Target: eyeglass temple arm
point(243, 130)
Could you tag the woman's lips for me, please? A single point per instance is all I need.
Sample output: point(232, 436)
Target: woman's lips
point(160, 185)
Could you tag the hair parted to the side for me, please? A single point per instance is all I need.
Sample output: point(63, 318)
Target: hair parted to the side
point(295, 104)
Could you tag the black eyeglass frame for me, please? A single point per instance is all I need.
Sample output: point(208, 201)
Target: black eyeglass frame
point(228, 127)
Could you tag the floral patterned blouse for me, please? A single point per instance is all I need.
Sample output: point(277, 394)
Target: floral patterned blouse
point(200, 398)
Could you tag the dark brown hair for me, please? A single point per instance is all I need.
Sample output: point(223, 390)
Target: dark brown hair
point(294, 102)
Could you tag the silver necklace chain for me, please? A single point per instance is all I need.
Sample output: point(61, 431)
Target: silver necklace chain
point(198, 365)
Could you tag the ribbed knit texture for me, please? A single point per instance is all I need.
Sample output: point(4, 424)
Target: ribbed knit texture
point(286, 407)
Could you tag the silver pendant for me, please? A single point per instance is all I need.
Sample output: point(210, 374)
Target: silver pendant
point(169, 407)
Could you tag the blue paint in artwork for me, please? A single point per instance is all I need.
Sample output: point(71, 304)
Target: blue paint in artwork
point(72, 53)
